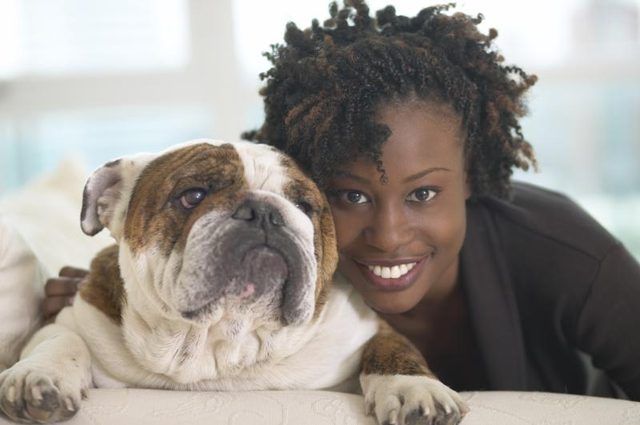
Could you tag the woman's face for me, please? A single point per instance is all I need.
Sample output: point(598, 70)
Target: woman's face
point(399, 241)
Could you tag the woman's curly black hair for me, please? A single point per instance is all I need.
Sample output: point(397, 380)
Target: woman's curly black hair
point(327, 81)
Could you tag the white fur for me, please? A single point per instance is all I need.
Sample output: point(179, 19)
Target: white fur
point(391, 398)
point(328, 344)
point(157, 347)
point(235, 347)
point(54, 366)
point(263, 167)
point(255, 359)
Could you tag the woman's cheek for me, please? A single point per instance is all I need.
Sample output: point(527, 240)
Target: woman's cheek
point(346, 231)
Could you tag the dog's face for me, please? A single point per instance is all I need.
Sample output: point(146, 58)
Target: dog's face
point(211, 228)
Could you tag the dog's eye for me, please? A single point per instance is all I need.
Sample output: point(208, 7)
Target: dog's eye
point(192, 197)
point(305, 207)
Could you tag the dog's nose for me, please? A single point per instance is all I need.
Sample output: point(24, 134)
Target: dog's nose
point(260, 213)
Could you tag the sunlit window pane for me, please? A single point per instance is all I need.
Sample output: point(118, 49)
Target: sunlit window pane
point(97, 136)
point(89, 36)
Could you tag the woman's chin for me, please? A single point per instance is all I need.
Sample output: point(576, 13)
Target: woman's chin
point(390, 303)
point(383, 300)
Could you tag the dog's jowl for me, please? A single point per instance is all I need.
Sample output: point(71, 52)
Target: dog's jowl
point(222, 278)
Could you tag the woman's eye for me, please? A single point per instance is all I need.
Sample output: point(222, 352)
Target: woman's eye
point(423, 194)
point(354, 197)
point(192, 197)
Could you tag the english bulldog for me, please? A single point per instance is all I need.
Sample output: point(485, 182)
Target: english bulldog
point(222, 279)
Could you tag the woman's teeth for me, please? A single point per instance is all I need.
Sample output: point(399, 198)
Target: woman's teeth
point(394, 272)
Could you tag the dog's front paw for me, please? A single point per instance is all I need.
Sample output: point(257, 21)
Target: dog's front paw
point(31, 394)
point(411, 400)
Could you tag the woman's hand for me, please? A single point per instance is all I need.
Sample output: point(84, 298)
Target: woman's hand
point(59, 291)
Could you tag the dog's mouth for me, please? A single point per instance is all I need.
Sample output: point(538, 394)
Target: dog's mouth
point(265, 265)
point(262, 272)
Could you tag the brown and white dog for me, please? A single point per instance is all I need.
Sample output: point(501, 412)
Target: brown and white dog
point(222, 279)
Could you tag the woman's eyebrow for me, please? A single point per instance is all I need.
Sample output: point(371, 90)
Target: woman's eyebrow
point(416, 176)
point(355, 177)
point(423, 173)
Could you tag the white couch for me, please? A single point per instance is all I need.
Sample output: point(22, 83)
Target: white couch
point(40, 232)
point(153, 407)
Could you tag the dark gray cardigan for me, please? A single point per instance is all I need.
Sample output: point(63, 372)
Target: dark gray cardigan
point(554, 299)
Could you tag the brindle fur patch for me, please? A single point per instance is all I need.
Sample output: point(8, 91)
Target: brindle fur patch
point(155, 217)
point(302, 188)
point(104, 288)
point(389, 353)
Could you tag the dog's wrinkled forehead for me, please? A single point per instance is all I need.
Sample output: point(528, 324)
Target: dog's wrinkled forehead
point(225, 171)
point(264, 167)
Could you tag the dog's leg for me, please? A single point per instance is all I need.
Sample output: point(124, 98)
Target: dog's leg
point(47, 384)
point(399, 388)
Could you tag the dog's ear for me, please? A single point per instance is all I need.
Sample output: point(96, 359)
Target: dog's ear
point(103, 200)
point(101, 192)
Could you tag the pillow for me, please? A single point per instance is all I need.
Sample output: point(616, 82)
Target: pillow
point(21, 279)
point(39, 233)
point(46, 212)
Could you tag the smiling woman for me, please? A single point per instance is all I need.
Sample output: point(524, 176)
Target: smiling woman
point(411, 125)
point(417, 216)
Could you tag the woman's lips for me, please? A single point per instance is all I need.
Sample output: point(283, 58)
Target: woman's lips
point(390, 284)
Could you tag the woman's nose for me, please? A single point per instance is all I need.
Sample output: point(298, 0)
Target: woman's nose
point(389, 230)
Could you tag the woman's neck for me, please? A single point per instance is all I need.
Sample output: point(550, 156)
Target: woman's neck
point(439, 327)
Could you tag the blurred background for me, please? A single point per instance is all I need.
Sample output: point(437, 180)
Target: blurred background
point(99, 79)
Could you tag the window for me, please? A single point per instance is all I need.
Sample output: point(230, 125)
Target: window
point(102, 79)
point(70, 37)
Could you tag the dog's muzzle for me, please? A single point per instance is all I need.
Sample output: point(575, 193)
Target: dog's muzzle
point(247, 257)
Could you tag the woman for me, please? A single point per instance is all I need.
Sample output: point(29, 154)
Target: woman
point(410, 125)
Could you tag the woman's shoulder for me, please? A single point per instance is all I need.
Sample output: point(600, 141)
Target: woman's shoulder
point(535, 214)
